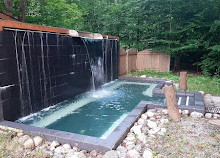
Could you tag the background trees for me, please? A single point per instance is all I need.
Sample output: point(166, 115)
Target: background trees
point(188, 30)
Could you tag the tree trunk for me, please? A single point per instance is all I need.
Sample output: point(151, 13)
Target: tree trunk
point(171, 101)
point(9, 7)
point(183, 81)
point(22, 10)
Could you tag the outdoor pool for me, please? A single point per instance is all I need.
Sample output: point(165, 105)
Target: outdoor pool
point(95, 113)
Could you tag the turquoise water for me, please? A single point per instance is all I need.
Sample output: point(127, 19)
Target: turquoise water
point(94, 113)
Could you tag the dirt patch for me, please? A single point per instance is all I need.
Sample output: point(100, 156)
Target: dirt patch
point(190, 138)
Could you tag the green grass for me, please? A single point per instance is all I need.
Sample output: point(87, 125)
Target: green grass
point(194, 82)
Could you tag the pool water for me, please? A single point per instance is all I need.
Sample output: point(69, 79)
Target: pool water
point(94, 113)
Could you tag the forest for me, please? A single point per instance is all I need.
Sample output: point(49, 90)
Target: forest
point(188, 30)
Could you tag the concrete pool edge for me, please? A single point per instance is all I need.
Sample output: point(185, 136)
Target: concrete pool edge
point(86, 142)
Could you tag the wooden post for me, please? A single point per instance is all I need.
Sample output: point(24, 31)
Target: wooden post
point(1, 110)
point(183, 81)
point(171, 101)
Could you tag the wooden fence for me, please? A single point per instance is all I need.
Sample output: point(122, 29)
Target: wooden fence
point(132, 60)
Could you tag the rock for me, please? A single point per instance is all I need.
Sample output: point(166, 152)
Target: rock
point(215, 100)
point(121, 149)
point(20, 134)
point(48, 153)
point(144, 116)
point(215, 122)
point(136, 129)
point(143, 76)
point(203, 93)
point(215, 116)
point(80, 155)
point(164, 130)
point(151, 124)
point(196, 114)
point(70, 153)
point(141, 137)
point(54, 144)
point(151, 132)
point(149, 114)
point(93, 153)
point(185, 112)
point(130, 147)
point(208, 100)
point(208, 115)
point(29, 144)
point(147, 154)
point(138, 147)
point(22, 139)
point(164, 121)
point(165, 111)
point(67, 146)
point(141, 121)
point(180, 111)
point(59, 150)
point(56, 155)
point(38, 140)
point(111, 154)
point(130, 138)
point(132, 154)
point(75, 148)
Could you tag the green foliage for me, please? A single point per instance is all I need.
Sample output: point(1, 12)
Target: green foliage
point(57, 13)
point(194, 82)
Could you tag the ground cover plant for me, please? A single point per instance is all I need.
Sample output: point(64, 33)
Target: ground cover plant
point(210, 85)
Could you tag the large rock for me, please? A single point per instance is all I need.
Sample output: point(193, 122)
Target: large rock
point(59, 150)
point(54, 144)
point(133, 154)
point(22, 139)
point(29, 144)
point(196, 114)
point(208, 115)
point(147, 154)
point(216, 101)
point(149, 114)
point(111, 154)
point(151, 124)
point(185, 112)
point(38, 140)
point(67, 147)
point(136, 129)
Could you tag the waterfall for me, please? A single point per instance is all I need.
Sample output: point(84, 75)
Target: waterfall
point(92, 72)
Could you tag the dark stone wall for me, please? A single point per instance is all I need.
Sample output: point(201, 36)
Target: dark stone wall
point(43, 69)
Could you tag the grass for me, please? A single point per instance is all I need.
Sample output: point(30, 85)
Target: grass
point(194, 82)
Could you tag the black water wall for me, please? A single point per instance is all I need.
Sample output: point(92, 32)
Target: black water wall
point(38, 69)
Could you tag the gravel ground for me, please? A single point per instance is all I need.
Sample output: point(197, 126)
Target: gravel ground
point(153, 135)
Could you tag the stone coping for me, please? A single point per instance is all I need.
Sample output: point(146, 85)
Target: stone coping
point(92, 143)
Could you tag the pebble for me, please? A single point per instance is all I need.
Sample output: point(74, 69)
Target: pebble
point(185, 112)
point(132, 154)
point(136, 129)
point(208, 115)
point(138, 147)
point(59, 150)
point(151, 124)
point(38, 140)
point(143, 76)
point(147, 153)
point(149, 114)
point(196, 114)
point(29, 144)
point(70, 153)
point(67, 147)
point(165, 111)
point(141, 121)
point(20, 134)
point(144, 116)
point(22, 139)
point(55, 144)
point(111, 154)
point(93, 153)
point(164, 121)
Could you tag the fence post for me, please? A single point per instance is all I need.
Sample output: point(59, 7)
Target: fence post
point(183, 81)
point(123, 62)
point(171, 102)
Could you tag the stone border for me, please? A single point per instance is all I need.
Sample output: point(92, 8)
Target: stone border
point(92, 143)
